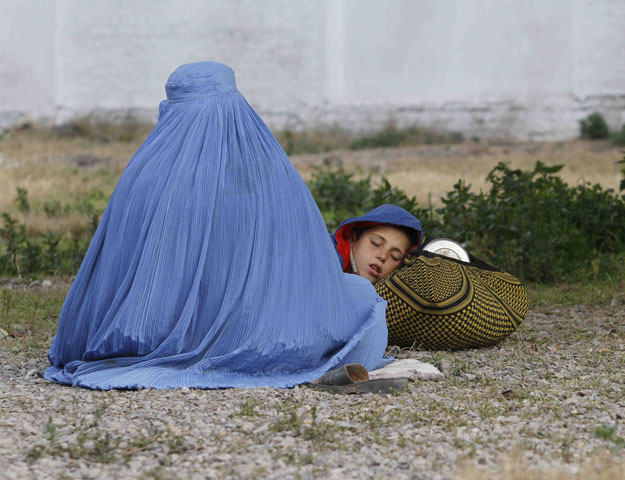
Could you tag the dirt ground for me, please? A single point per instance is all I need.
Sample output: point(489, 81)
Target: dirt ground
point(547, 402)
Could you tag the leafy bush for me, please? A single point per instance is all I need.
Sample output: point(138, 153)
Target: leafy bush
point(529, 223)
point(533, 224)
point(38, 253)
point(340, 196)
point(21, 201)
point(24, 252)
point(594, 127)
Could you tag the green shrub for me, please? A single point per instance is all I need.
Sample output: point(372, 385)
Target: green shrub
point(529, 223)
point(53, 208)
point(340, 196)
point(618, 138)
point(26, 253)
point(533, 224)
point(12, 235)
point(594, 127)
point(21, 201)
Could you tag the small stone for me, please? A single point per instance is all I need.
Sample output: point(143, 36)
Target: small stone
point(34, 283)
point(444, 365)
point(510, 419)
point(3, 333)
point(408, 368)
point(46, 283)
point(288, 442)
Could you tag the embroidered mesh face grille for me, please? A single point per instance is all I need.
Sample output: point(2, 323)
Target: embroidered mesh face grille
point(438, 304)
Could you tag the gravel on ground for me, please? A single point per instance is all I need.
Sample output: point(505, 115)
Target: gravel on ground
point(551, 396)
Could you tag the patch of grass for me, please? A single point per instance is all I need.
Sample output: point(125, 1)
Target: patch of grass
point(91, 443)
point(326, 139)
point(583, 292)
point(298, 458)
point(26, 249)
point(288, 419)
point(125, 129)
point(609, 433)
point(393, 136)
point(249, 408)
point(305, 425)
point(318, 140)
point(30, 319)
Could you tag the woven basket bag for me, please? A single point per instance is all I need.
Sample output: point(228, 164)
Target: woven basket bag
point(438, 303)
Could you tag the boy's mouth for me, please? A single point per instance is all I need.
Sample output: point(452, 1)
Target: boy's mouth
point(375, 270)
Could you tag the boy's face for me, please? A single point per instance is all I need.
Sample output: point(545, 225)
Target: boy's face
point(379, 251)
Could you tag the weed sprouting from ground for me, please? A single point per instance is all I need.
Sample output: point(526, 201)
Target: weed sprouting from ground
point(303, 422)
point(249, 408)
point(30, 318)
point(91, 442)
point(23, 205)
point(609, 433)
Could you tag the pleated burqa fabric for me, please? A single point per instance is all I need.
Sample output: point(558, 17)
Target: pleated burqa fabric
point(211, 266)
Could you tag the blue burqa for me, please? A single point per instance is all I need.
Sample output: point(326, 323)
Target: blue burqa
point(212, 266)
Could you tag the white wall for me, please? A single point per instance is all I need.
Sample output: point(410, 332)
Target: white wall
point(115, 53)
point(27, 60)
point(524, 68)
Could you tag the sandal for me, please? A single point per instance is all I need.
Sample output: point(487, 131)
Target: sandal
point(354, 378)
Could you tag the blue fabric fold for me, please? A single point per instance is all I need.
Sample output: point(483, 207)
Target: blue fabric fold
point(211, 266)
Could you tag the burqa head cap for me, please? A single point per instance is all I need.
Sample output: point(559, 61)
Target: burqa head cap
point(195, 80)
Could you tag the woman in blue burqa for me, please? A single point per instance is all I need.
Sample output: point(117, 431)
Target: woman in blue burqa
point(211, 266)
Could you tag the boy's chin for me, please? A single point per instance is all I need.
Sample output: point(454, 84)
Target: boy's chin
point(370, 278)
